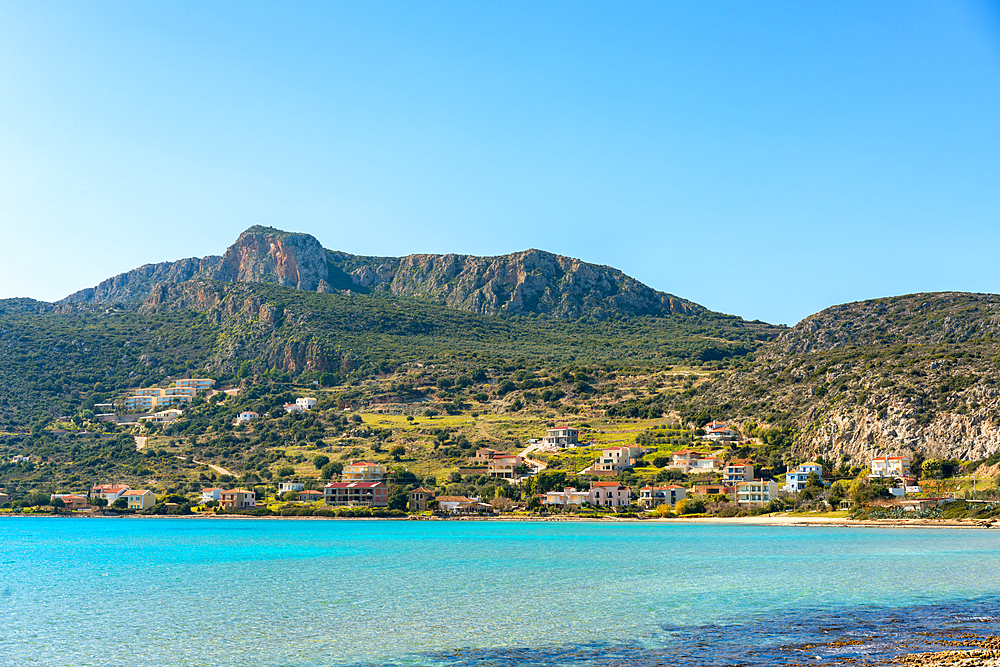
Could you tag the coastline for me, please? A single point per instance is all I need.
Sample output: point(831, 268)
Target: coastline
point(780, 520)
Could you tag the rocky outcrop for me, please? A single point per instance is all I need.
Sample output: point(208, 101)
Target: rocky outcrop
point(265, 255)
point(135, 285)
point(521, 283)
point(916, 374)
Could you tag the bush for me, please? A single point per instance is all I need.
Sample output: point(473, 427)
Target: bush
point(690, 506)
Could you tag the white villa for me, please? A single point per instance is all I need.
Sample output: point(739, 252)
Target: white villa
point(246, 416)
point(718, 431)
point(690, 461)
point(615, 459)
point(796, 479)
point(561, 437)
point(569, 496)
point(756, 493)
point(300, 404)
point(651, 496)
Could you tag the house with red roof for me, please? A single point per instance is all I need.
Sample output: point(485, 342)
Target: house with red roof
point(419, 497)
point(610, 494)
point(309, 495)
point(110, 492)
point(356, 494)
point(737, 471)
point(890, 466)
point(715, 430)
point(140, 499)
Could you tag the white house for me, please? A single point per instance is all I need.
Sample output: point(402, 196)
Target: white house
point(208, 495)
point(163, 417)
point(110, 492)
point(796, 479)
point(756, 493)
point(246, 416)
point(718, 431)
point(457, 503)
point(690, 461)
point(615, 459)
point(651, 496)
point(285, 487)
point(568, 496)
point(558, 438)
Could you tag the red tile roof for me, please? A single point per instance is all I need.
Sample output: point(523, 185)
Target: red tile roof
point(353, 485)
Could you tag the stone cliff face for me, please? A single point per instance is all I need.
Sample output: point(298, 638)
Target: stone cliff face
point(135, 285)
point(264, 255)
point(520, 283)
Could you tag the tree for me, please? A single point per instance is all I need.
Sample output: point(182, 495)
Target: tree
point(290, 495)
point(397, 452)
point(398, 497)
point(57, 504)
point(321, 461)
point(331, 470)
point(36, 499)
point(120, 504)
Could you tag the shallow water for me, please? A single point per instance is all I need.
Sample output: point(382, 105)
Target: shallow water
point(297, 593)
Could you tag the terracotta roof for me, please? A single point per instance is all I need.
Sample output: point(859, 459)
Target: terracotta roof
point(240, 490)
point(455, 499)
point(361, 463)
point(423, 489)
point(603, 484)
point(136, 492)
point(110, 488)
point(353, 485)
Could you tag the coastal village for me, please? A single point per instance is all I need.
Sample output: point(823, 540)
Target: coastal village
point(707, 477)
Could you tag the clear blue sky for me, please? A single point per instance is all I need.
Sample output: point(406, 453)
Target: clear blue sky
point(765, 159)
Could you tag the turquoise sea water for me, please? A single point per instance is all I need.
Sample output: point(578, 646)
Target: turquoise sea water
point(354, 592)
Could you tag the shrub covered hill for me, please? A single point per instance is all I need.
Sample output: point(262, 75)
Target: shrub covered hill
point(913, 374)
point(278, 306)
point(501, 346)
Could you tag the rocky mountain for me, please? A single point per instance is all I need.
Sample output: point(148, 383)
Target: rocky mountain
point(521, 283)
point(916, 374)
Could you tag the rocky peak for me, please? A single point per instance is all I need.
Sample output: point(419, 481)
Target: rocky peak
point(267, 255)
